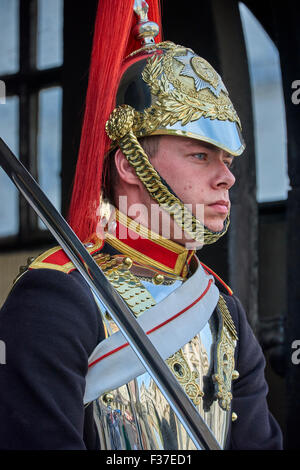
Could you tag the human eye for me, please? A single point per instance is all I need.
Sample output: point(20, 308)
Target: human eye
point(200, 156)
point(228, 162)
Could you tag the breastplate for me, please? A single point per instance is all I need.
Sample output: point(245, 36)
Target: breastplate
point(137, 416)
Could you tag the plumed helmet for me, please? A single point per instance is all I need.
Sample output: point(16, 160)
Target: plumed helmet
point(157, 89)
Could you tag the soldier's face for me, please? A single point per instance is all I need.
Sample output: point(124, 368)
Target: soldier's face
point(199, 174)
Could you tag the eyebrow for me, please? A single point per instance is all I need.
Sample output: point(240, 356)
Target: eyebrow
point(192, 142)
point(210, 146)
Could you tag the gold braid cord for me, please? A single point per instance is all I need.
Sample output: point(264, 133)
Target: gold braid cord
point(224, 356)
point(119, 128)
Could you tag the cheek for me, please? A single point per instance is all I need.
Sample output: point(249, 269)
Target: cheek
point(171, 167)
point(184, 179)
point(194, 190)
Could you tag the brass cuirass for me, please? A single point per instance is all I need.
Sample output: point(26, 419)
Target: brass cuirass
point(136, 416)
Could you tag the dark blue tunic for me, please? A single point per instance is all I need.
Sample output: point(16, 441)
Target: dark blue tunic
point(50, 324)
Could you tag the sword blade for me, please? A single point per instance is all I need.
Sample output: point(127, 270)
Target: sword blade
point(107, 295)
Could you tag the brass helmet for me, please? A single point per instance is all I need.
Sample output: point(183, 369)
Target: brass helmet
point(172, 91)
point(166, 89)
point(159, 89)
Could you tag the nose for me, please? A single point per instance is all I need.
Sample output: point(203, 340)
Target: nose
point(224, 177)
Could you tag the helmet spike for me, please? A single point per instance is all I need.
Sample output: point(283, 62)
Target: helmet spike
point(145, 30)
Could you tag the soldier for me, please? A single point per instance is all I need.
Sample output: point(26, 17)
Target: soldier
point(152, 186)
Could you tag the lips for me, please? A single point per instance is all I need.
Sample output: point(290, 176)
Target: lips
point(220, 206)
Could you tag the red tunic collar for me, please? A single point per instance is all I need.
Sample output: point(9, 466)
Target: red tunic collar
point(148, 248)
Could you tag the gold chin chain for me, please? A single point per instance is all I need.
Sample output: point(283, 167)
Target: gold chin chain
point(138, 159)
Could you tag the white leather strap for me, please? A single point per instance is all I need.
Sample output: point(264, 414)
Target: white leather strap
point(170, 324)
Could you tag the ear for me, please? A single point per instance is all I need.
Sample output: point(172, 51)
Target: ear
point(125, 171)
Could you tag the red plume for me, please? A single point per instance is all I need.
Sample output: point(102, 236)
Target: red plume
point(113, 41)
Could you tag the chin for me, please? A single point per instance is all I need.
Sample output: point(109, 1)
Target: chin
point(215, 226)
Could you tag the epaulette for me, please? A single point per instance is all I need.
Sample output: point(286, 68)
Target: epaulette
point(218, 279)
point(56, 259)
